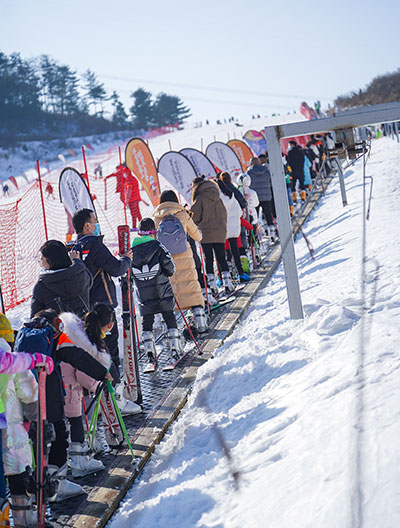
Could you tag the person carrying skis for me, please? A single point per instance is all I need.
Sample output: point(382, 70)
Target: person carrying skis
point(17, 453)
point(152, 265)
point(184, 281)
point(103, 266)
point(210, 215)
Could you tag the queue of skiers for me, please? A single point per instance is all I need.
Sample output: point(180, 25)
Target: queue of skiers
point(73, 332)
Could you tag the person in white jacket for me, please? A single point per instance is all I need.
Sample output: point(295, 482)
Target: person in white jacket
point(234, 213)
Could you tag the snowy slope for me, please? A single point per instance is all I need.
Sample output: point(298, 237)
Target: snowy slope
point(286, 395)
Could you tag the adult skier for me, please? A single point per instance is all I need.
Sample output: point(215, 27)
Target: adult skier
point(103, 266)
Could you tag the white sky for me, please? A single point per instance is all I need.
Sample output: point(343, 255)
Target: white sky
point(221, 57)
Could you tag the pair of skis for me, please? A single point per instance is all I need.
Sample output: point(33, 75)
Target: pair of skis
point(132, 391)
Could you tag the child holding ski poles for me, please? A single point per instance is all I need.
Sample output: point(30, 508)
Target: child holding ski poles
point(88, 335)
point(17, 452)
point(152, 265)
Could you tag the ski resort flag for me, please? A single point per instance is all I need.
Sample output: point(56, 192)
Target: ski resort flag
point(202, 165)
point(242, 151)
point(179, 172)
point(225, 158)
point(256, 141)
point(140, 161)
point(74, 193)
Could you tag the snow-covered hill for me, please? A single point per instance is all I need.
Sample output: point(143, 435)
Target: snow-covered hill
point(310, 439)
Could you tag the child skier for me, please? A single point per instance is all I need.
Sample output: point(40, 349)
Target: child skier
point(151, 267)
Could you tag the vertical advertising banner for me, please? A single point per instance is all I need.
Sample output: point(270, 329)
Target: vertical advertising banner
point(140, 161)
point(202, 165)
point(179, 172)
point(225, 158)
point(74, 193)
point(242, 151)
point(256, 141)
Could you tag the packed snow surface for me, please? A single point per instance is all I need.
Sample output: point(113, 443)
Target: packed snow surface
point(309, 409)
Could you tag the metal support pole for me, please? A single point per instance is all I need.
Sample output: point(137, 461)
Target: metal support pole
point(396, 129)
point(284, 223)
point(341, 181)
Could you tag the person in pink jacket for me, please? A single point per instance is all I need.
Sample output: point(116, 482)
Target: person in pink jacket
point(99, 320)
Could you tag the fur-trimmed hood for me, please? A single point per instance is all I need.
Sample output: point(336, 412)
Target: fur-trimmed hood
point(75, 330)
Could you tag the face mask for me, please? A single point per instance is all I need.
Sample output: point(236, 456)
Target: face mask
point(97, 231)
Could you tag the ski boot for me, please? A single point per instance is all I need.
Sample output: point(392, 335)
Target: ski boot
point(127, 407)
point(211, 299)
point(23, 513)
point(211, 283)
point(149, 345)
point(227, 282)
point(272, 233)
point(244, 277)
point(291, 210)
point(303, 196)
point(294, 197)
point(200, 318)
point(82, 463)
point(65, 488)
point(176, 343)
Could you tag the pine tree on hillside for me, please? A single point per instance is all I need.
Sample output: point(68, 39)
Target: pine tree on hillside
point(142, 109)
point(19, 88)
point(96, 94)
point(65, 91)
point(119, 117)
point(169, 110)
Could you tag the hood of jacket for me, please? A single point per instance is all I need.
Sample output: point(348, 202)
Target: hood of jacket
point(75, 330)
point(167, 208)
point(66, 282)
point(207, 188)
point(144, 251)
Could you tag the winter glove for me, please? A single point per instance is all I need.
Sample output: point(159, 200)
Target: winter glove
point(41, 360)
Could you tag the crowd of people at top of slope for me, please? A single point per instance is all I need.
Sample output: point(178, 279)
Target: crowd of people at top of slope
point(72, 330)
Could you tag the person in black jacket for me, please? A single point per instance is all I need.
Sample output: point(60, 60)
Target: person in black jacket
point(103, 266)
point(226, 178)
point(295, 159)
point(65, 282)
point(63, 350)
point(152, 264)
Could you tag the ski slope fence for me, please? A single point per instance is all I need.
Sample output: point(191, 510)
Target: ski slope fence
point(22, 232)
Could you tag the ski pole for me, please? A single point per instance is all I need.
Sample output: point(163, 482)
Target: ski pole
point(257, 248)
point(93, 421)
point(188, 327)
point(121, 421)
point(204, 278)
point(86, 418)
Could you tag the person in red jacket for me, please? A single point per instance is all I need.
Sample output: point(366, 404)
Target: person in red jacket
point(128, 189)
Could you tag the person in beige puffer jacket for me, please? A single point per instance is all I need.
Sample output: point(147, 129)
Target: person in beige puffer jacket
point(187, 289)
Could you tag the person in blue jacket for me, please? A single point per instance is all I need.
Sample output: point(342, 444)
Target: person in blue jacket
point(103, 266)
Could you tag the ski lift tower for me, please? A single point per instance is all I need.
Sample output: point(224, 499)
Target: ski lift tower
point(346, 146)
